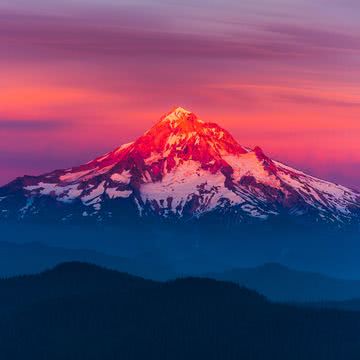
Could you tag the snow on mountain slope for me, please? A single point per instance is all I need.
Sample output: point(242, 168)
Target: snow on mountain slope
point(181, 168)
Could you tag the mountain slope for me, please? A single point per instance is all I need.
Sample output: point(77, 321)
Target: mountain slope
point(30, 258)
point(280, 283)
point(348, 305)
point(78, 311)
point(182, 168)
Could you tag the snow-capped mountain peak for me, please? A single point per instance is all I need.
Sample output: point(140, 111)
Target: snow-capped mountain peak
point(180, 128)
point(180, 116)
point(181, 168)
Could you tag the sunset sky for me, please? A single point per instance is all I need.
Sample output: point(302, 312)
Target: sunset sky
point(79, 78)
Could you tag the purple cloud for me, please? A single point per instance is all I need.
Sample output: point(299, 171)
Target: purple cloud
point(33, 125)
point(331, 39)
point(314, 100)
point(54, 37)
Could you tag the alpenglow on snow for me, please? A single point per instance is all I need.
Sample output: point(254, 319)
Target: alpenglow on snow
point(182, 168)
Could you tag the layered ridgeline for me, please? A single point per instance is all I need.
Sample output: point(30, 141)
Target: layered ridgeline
point(182, 168)
point(80, 311)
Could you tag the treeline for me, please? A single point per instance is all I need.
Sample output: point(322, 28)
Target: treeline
point(80, 311)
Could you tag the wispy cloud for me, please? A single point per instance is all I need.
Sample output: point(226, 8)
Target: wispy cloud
point(317, 37)
point(54, 37)
point(318, 101)
point(33, 125)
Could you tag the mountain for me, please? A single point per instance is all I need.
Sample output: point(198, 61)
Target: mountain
point(31, 258)
point(280, 283)
point(348, 305)
point(80, 311)
point(181, 169)
point(275, 281)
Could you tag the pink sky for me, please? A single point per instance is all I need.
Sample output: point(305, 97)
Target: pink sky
point(79, 79)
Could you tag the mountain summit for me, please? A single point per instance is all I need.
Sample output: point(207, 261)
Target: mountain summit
point(182, 168)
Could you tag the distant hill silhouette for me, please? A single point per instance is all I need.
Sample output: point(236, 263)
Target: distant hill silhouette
point(34, 257)
point(351, 305)
point(281, 283)
point(81, 311)
point(276, 282)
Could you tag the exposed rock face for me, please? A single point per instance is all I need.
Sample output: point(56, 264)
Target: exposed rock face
point(181, 168)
